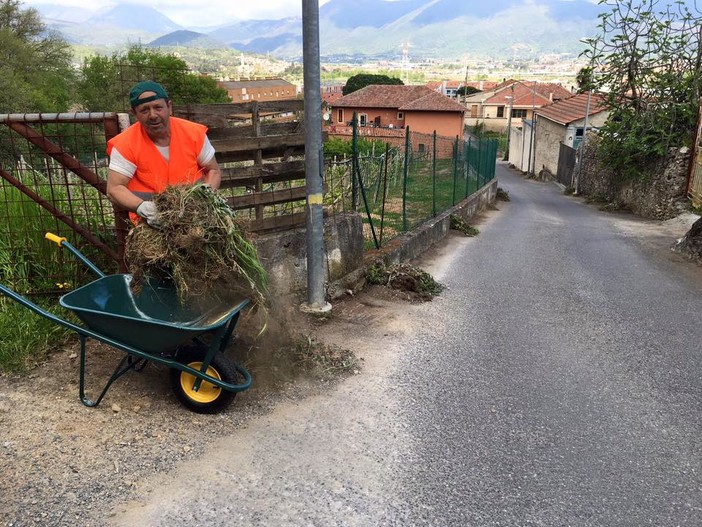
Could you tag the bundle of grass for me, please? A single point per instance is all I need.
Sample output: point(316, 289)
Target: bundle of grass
point(200, 247)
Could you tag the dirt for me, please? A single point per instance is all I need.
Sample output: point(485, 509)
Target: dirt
point(66, 464)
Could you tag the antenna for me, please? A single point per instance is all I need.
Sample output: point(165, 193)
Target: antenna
point(405, 61)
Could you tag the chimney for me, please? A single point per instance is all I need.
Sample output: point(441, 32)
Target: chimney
point(550, 96)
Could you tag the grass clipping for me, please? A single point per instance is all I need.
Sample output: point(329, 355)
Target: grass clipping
point(200, 247)
point(405, 277)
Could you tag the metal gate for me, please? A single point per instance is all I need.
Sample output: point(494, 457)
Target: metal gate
point(566, 165)
point(694, 188)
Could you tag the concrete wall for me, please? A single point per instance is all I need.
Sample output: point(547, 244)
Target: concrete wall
point(519, 146)
point(549, 136)
point(284, 255)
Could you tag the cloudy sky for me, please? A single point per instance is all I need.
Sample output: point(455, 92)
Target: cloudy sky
point(198, 12)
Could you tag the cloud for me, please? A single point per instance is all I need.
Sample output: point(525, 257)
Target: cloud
point(197, 13)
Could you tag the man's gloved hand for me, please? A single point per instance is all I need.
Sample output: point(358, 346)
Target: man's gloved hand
point(148, 211)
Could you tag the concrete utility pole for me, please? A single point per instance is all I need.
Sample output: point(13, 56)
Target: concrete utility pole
point(509, 123)
point(582, 144)
point(316, 301)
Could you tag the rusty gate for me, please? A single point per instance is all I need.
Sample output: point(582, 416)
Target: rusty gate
point(566, 165)
point(694, 187)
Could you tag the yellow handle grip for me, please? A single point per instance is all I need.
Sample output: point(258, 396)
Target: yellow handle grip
point(58, 240)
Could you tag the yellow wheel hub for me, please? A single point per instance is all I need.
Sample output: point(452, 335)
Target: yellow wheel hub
point(208, 392)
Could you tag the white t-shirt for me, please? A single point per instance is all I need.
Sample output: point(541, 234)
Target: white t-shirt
point(123, 166)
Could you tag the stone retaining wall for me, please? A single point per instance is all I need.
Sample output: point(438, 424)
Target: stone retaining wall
point(660, 195)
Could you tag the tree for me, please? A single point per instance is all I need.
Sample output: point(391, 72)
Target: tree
point(466, 90)
point(35, 64)
point(585, 80)
point(356, 82)
point(647, 59)
point(106, 81)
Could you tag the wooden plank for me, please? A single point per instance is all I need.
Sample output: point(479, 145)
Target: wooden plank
point(274, 197)
point(233, 132)
point(228, 109)
point(258, 143)
point(284, 152)
point(267, 173)
point(278, 223)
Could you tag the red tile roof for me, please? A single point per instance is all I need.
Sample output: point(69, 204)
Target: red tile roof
point(572, 109)
point(528, 94)
point(417, 98)
point(331, 97)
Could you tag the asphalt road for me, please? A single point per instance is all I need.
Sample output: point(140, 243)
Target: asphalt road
point(558, 381)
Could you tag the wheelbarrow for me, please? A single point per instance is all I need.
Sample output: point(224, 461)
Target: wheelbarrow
point(154, 326)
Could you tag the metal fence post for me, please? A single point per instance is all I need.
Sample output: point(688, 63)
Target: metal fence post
point(433, 179)
point(354, 163)
point(404, 182)
point(455, 167)
point(466, 168)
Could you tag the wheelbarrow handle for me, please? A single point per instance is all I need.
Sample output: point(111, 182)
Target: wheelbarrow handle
point(63, 242)
point(58, 240)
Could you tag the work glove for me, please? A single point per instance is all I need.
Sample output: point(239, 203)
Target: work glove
point(148, 211)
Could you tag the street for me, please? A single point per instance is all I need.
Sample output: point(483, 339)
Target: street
point(557, 381)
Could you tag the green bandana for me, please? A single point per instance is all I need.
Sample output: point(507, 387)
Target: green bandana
point(145, 86)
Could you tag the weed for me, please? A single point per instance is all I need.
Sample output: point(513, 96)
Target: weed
point(376, 273)
point(502, 194)
point(25, 337)
point(459, 224)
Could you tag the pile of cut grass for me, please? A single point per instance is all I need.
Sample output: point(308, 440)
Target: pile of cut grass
point(405, 277)
point(200, 247)
point(461, 225)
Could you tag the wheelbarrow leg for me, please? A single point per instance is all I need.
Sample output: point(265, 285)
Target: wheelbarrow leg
point(212, 351)
point(127, 363)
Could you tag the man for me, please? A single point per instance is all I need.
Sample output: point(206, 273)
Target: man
point(155, 152)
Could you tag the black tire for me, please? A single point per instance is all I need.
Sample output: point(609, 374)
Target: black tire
point(209, 398)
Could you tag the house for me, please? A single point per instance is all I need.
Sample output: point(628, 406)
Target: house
point(561, 123)
point(396, 107)
point(450, 87)
point(330, 92)
point(511, 99)
point(249, 90)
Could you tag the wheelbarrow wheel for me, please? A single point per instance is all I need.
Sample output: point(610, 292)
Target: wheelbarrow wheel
point(208, 398)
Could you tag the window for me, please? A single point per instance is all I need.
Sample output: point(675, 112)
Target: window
point(500, 111)
point(421, 148)
point(400, 115)
point(519, 114)
point(362, 119)
point(340, 116)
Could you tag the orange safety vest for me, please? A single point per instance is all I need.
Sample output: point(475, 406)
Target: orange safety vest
point(154, 173)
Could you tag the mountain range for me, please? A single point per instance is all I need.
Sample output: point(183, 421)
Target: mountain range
point(365, 29)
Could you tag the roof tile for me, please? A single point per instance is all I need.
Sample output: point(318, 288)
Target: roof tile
point(418, 98)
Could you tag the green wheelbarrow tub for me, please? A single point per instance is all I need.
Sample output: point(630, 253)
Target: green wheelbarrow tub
point(154, 320)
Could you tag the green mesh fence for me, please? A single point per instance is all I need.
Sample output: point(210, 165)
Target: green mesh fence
point(398, 182)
